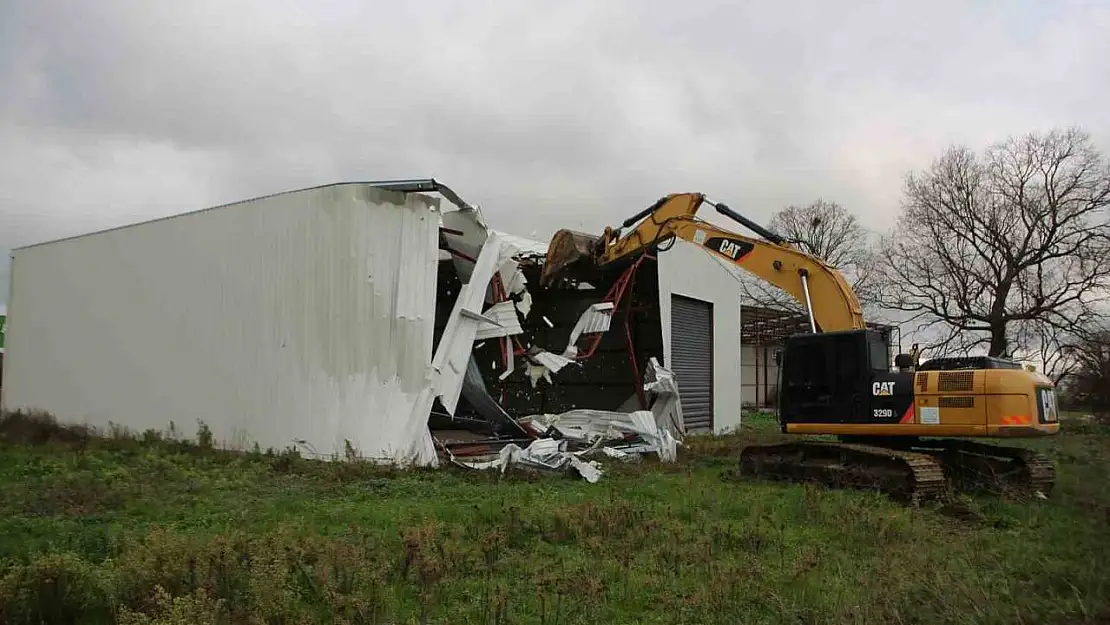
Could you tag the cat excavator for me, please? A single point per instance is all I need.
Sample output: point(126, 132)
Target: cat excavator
point(907, 430)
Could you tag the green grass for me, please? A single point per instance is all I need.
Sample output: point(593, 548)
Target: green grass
point(118, 530)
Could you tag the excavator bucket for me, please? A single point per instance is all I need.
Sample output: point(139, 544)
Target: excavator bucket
point(570, 254)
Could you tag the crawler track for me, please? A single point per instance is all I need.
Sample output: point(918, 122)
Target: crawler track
point(911, 470)
point(975, 466)
point(904, 475)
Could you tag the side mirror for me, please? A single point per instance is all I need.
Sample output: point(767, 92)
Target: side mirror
point(778, 357)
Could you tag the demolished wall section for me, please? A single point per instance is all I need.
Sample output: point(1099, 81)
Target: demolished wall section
point(546, 319)
point(605, 380)
point(545, 351)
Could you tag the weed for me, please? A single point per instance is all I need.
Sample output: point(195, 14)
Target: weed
point(152, 529)
point(205, 439)
point(40, 428)
point(189, 609)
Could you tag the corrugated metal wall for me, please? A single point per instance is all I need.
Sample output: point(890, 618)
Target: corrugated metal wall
point(692, 360)
point(301, 316)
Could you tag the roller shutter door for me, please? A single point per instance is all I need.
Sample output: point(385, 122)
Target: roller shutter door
point(692, 360)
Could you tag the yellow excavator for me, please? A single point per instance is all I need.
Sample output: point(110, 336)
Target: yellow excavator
point(906, 430)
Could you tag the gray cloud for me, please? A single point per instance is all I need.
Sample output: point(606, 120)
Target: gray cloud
point(549, 114)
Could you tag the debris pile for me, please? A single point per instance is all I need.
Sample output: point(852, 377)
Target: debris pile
point(506, 333)
point(573, 440)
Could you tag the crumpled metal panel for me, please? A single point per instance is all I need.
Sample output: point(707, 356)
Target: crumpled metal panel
point(457, 341)
point(667, 408)
point(504, 315)
point(526, 247)
point(477, 395)
point(595, 320)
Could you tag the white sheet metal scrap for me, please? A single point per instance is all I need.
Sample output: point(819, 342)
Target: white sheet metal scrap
point(460, 334)
point(622, 436)
point(596, 320)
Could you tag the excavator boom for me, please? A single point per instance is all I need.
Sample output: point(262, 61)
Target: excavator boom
point(827, 297)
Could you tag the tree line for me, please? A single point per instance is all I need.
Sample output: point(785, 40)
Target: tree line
point(1005, 252)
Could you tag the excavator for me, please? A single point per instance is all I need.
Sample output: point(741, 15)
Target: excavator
point(907, 430)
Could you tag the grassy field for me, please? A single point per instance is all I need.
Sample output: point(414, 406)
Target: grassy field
point(126, 530)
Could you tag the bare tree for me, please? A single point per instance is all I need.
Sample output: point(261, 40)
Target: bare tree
point(825, 230)
point(1050, 346)
point(990, 248)
point(1088, 385)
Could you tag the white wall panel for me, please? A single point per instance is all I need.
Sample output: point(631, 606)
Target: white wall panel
point(301, 316)
point(687, 270)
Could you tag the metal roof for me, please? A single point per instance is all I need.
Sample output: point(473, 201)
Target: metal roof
point(416, 185)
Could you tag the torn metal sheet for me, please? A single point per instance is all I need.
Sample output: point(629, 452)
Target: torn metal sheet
point(541, 364)
point(516, 284)
point(665, 444)
point(620, 454)
point(466, 234)
point(667, 408)
point(457, 342)
point(536, 372)
point(554, 362)
point(512, 278)
point(477, 395)
point(525, 304)
point(503, 315)
point(595, 320)
point(529, 248)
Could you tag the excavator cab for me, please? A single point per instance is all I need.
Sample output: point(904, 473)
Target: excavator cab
point(842, 377)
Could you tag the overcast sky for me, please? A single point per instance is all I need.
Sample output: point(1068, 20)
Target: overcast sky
point(547, 114)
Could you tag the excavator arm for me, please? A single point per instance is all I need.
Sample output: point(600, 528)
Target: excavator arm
point(827, 297)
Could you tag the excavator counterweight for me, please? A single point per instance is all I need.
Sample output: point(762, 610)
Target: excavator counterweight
point(902, 431)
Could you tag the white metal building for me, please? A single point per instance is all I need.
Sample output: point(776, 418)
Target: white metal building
point(303, 316)
point(699, 301)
